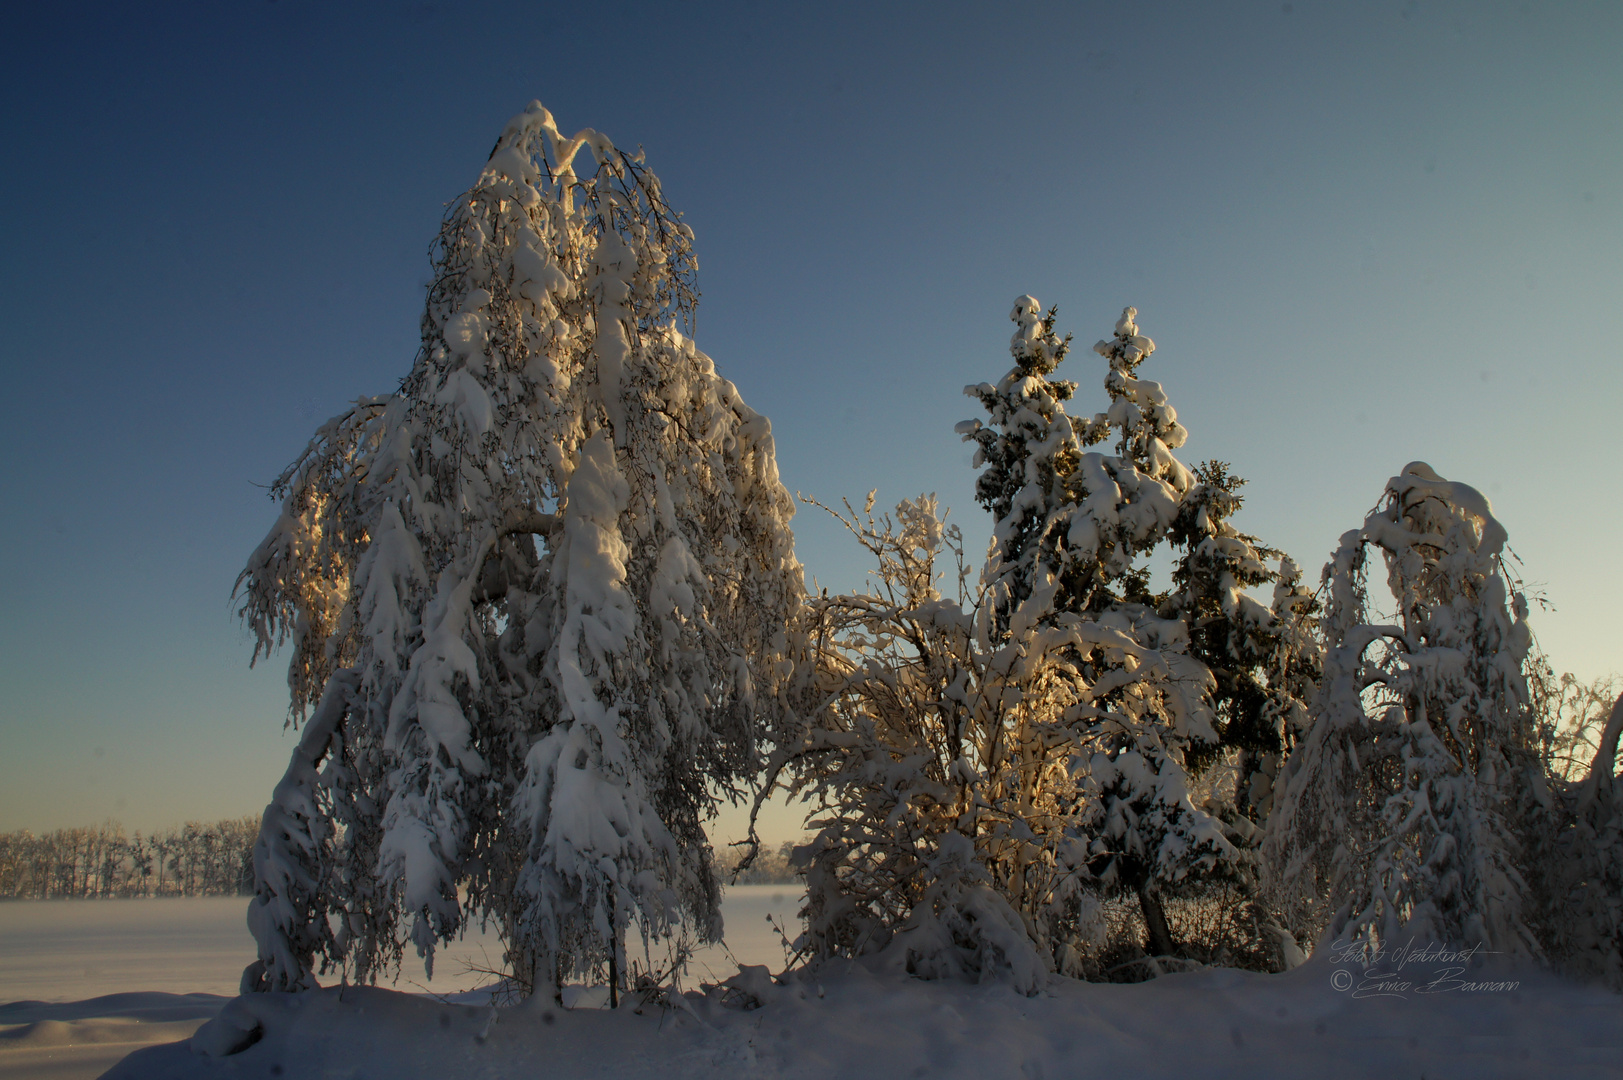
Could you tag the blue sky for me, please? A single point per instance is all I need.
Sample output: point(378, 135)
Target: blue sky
point(1361, 234)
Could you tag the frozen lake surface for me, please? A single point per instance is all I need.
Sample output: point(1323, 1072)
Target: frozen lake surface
point(71, 950)
point(83, 983)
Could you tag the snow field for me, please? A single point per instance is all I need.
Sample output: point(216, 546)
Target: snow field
point(83, 1039)
point(868, 1021)
point(83, 983)
point(856, 1020)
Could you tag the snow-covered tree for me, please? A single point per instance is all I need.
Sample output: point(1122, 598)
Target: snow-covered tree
point(540, 600)
point(1576, 879)
point(1026, 451)
point(1067, 524)
point(1405, 802)
point(1070, 528)
point(1572, 717)
point(1265, 660)
point(1580, 876)
point(1004, 760)
point(911, 820)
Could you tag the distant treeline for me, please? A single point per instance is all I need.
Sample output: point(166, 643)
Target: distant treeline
point(196, 859)
point(199, 859)
point(769, 868)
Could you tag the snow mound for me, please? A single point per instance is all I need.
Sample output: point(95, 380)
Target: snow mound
point(82, 1039)
point(852, 1020)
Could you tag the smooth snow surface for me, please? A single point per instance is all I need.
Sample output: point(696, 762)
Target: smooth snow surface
point(866, 1022)
point(856, 1022)
point(71, 950)
point(85, 982)
point(83, 1039)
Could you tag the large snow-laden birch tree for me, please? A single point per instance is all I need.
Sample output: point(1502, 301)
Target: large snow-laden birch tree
point(1406, 802)
point(539, 600)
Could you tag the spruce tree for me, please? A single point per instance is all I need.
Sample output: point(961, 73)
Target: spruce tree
point(1142, 745)
point(1265, 659)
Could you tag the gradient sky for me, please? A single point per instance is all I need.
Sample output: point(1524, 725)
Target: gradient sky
point(1361, 234)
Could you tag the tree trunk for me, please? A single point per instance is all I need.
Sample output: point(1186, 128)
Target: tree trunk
point(546, 988)
point(1155, 921)
point(614, 958)
point(1601, 779)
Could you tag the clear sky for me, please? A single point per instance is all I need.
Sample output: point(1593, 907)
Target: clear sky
point(1361, 234)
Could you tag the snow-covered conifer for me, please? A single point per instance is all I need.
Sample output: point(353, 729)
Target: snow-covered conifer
point(542, 598)
point(1404, 802)
point(1265, 660)
point(1145, 718)
point(1072, 529)
point(1026, 451)
point(1032, 740)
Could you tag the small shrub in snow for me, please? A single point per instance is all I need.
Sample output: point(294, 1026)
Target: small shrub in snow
point(915, 761)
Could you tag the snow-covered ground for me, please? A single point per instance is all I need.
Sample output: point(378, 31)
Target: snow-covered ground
point(83, 983)
point(860, 1022)
point(1323, 1019)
